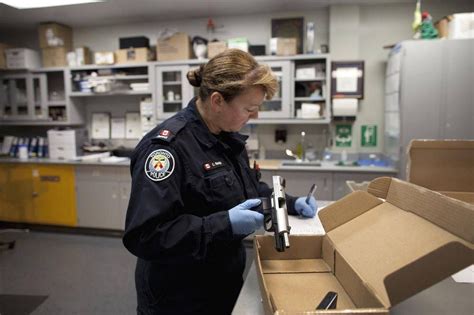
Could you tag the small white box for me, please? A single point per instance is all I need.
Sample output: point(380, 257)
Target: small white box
point(461, 26)
point(311, 111)
point(66, 144)
point(22, 58)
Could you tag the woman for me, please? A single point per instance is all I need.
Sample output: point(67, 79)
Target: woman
point(192, 190)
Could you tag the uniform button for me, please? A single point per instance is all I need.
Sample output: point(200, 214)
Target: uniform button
point(228, 180)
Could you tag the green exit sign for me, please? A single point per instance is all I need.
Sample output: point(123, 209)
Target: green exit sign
point(368, 136)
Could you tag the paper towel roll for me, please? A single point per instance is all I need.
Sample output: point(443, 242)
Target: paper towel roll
point(344, 107)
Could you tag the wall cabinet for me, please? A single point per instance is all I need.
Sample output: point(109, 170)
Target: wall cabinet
point(42, 194)
point(23, 97)
point(279, 106)
point(102, 196)
point(37, 98)
point(173, 90)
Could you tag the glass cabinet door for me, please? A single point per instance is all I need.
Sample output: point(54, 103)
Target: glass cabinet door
point(23, 97)
point(279, 105)
point(39, 96)
point(174, 91)
point(15, 102)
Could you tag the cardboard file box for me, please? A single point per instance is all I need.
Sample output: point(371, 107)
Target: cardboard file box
point(3, 62)
point(133, 55)
point(176, 47)
point(446, 166)
point(54, 35)
point(381, 247)
point(55, 56)
point(22, 58)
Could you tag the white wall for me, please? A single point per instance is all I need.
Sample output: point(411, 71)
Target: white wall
point(257, 28)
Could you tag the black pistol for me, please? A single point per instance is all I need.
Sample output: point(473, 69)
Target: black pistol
point(276, 214)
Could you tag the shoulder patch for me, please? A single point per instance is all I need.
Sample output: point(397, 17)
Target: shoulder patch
point(168, 131)
point(159, 165)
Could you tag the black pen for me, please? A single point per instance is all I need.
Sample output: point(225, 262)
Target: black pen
point(311, 192)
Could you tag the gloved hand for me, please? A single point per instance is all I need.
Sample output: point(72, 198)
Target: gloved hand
point(304, 209)
point(243, 220)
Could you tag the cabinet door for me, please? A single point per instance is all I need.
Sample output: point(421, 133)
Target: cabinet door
point(298, 183)
point(40, 99)
point(279, 106)
point(54, 199)
point(98, 196)
point(17, 103)
point(174, 92)
point(340, 188)
point(16, 193)
point(118, 214)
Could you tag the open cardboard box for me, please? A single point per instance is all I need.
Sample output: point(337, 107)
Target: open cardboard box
point(381, 247)
point(446, 166)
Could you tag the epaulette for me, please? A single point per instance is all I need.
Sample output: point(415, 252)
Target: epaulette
point(168, 131)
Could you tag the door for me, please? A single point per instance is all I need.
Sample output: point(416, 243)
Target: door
point(54, 196)
point(40, 98)
point(16, 104)
point(279, 105)
point(16, 193)
point(174, 91)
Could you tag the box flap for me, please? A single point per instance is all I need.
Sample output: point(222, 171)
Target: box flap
point(442, 165)
point(403, 245)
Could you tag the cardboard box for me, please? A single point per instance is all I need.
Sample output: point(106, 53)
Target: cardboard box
point(283, 46)
point(54, 35)
point(367, 256)
point(176, 47)
point(55, 56)
point(133, 55)
point(3, 59)
point(215, 48)
point(446, 166)
point(22, 58)
point(104, 58)
point(83, 56)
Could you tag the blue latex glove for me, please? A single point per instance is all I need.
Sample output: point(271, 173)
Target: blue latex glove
point(304, 209)
point(243, 220)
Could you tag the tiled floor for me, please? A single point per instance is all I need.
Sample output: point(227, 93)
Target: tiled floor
point(80, 274)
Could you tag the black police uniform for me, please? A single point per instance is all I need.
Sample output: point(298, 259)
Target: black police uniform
point(184, 179)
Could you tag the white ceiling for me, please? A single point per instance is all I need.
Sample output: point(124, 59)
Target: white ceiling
point(129, 11)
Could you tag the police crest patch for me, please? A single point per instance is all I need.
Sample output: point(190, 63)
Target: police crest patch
point(159, 165)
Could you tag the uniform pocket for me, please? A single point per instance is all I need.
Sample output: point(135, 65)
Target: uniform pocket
point(223, 190)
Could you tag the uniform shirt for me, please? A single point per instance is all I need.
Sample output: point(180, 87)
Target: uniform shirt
point(184, 181)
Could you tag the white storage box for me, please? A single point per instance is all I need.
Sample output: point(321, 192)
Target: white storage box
point(66, 144)
point(22, 58)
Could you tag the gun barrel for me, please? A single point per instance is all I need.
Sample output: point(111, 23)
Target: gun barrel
point(280, 215)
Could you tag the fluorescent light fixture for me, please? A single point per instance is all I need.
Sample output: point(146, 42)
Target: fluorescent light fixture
point(34, 4)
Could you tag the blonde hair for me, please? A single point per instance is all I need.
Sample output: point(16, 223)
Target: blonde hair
point(231, 72)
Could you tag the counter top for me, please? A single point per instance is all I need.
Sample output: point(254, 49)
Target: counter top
point(265, 165)
point(326, 166)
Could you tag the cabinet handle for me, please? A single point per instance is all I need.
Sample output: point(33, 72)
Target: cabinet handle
point(35, 194)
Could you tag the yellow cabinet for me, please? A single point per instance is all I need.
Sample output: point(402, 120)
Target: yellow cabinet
point(54, 196)
point(16, 193)
point(34, 193)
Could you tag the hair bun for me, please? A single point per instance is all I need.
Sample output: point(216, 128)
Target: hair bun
point(195, 76)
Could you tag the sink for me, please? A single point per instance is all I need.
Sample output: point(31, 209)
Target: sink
point(300, 163)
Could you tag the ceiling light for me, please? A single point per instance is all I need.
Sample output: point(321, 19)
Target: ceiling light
point(33, 4)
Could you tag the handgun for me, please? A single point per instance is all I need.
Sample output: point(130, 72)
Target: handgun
point(276, 214)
